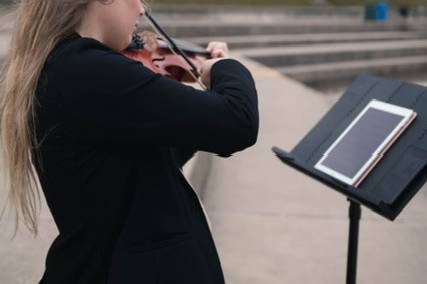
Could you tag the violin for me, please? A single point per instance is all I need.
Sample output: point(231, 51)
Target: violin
point(177, 59)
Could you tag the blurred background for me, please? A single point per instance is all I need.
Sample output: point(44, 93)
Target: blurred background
point(271, 224)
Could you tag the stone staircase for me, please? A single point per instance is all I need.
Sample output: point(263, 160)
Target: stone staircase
point(329, 66)
point(324, 48)
point(273, 40)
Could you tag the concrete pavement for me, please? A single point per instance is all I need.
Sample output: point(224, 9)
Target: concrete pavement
point(274, 225)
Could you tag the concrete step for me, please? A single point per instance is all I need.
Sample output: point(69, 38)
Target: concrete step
point(7, 16)
point(266, 26)
point(4, 44)
point(334, 75)
point(251, 41)
point(324, 53)
point(313, 11)
point(282, 10)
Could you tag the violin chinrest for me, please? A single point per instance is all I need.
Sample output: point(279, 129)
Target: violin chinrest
point(187, 46)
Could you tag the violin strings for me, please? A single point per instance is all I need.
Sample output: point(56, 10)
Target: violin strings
point(173, 47)
point(169, 40)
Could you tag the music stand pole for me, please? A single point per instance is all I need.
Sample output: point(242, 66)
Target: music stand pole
point(354, 214)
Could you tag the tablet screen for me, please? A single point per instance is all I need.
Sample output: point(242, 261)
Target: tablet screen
point(361, 141)
point(361, 145)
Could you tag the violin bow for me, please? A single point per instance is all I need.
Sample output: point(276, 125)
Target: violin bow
point(174, 48)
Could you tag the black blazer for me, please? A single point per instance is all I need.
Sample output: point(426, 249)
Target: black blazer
point(112, 137)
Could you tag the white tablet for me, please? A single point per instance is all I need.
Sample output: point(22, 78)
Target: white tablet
point(362, 144)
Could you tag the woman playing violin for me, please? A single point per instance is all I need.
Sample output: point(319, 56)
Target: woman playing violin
point(105, 137)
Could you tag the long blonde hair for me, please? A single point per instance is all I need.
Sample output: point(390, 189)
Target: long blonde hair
point(39, 26)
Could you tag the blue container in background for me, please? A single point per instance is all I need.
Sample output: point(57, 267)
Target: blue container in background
point(377, 11)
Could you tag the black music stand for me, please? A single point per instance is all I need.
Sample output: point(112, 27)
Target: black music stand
point(395, 179)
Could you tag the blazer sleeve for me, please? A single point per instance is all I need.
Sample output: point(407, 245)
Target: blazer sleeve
point(107, 97)
point(183, 155)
